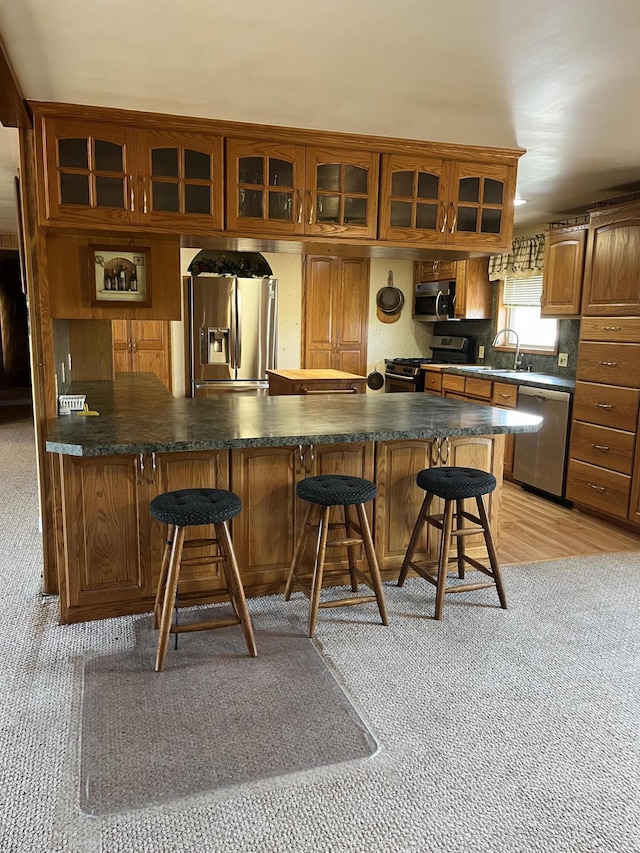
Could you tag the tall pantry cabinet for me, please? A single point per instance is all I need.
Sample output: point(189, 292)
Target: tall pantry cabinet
point(604, 454)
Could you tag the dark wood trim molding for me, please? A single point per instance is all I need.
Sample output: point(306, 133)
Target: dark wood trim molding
point(14, 111)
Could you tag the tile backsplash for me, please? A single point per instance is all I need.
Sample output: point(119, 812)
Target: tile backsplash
point(483, 332)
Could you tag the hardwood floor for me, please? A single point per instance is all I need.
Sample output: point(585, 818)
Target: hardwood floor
point(533, 529)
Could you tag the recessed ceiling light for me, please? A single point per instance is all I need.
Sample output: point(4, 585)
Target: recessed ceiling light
point(519, 201)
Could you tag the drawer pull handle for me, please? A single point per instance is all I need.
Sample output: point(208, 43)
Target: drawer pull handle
point(596, 487)
point(505, 396)
point(605, 405)
point(611, 328)
point(609, 363)
point(602, 447)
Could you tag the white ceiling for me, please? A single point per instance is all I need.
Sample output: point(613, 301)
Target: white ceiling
point(560, 79)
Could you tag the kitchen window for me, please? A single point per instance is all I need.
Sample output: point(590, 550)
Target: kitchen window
point(519, 309)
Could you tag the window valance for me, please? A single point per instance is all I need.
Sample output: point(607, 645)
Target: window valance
point(526, 256)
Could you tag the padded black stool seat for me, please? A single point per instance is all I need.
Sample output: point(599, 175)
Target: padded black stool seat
point(454, 483)
point(336, 489)
point(195, 506)
point(322, 493)
point(454, 486)
point(178, 510)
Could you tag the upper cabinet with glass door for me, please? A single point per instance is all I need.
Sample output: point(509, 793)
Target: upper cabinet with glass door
point(89, 173)
point(438, 201)
point(265, 183)
point(480, 210)
point(278, 189)
point(182, 180)
point(342, 193)
point(108, 174)
point(413, 199)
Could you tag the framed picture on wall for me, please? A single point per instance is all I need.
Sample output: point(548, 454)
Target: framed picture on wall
point(120, 276)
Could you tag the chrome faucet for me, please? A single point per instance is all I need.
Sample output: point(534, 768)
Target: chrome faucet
point(517, 362)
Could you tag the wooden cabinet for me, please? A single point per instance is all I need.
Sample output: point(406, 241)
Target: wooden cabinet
point(313, 382)
point(563, 271)
point(141, 346)
point(335, 313)
point(433, 382)
point(612, 272)
point(115, 175)
point(430, 200)
point(605, 419)
point(485, 392)
point(275, 188)
point(505, 396)
point(265, 533)
point(474, 291)
point(121, 169)
point(400, 499)
point(112, 548)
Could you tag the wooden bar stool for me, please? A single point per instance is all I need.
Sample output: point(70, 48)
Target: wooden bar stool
point(454, 485)
point(322, 493)
point(193, 507)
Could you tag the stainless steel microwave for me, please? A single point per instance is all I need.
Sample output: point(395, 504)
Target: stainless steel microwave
point(434, 300)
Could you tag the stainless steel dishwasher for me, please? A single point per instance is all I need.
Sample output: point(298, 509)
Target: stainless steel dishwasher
point(540, 457)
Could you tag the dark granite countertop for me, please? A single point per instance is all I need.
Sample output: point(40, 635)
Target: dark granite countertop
point(516, 377)
point(138, 415)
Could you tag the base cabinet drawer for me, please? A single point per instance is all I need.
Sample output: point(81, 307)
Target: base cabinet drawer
point(432, 382)
point(620, 329)
point(602, 446)
point(612, 364)
point(595, 487)
point(607, 405)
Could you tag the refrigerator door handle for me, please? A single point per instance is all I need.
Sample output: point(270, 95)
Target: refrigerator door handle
point(233, 332)
point(272, 327)
point(238, 327)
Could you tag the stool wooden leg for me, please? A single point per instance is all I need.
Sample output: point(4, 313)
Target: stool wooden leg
point(166, 555)
point(297, 554)
point(318, 568)
point(460, 539)
point(445, 544)
point(236, 590)
point(491, 551)
point(415, 538)
point(374, 569)
point(349, 529)
point(169, 597)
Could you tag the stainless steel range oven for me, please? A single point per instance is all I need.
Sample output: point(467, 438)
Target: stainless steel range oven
point(403, 375)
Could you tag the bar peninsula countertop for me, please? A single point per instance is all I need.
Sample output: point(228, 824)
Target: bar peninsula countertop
point(137, 414)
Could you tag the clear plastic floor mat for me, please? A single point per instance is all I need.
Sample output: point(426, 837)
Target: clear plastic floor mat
point(214, 718)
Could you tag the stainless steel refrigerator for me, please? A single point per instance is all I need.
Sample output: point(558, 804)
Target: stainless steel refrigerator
point(232, 334)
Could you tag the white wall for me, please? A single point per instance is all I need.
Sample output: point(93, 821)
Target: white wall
point(405, 337)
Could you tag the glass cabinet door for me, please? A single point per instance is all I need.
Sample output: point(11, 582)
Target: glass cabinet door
point(264, 187)
point(413, 199)
point(482, 197)
point(342, 192)
point(90, 172)
point(182, 180)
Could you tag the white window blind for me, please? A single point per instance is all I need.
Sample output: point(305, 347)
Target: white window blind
point(523, 291)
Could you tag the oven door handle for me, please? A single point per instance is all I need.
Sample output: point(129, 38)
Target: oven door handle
point(399, 376)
